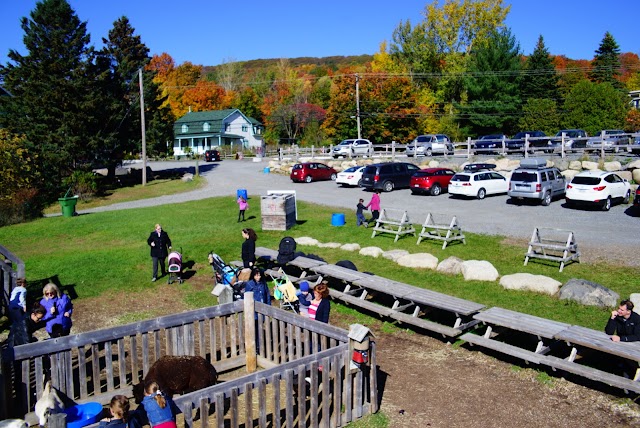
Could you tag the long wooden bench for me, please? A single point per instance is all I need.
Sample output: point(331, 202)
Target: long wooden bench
point(553, 244)
point(593, 374)
point(435, 228)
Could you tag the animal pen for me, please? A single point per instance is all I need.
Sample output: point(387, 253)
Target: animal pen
point(303, 374)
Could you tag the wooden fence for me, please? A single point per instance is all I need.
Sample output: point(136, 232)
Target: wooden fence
point(94, 366)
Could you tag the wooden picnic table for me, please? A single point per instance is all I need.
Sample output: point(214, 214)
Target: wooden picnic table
point(338, 272)
point(306, 263)
point(266, 252)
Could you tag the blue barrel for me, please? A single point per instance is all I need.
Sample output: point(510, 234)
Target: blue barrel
point(337, 219)
point(242, 192)
point(266, 170)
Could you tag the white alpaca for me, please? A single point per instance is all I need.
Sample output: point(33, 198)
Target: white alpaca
point(48, 404)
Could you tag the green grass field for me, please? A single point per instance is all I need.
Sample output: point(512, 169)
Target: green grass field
point(107, 251)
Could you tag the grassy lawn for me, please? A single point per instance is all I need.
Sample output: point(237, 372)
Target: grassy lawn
point(153, 189)
point(96, 253)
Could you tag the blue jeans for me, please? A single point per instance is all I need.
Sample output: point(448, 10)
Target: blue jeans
point(360, 219)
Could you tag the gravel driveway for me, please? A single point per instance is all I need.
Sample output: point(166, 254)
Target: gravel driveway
point(610, 235)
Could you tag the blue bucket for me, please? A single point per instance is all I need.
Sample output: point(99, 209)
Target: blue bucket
point(266, 170)
point(337, 219)
point(243, 193)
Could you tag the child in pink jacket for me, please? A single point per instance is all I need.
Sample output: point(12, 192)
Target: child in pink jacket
point(243, 205)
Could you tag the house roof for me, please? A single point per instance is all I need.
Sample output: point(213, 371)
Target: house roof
point(214, 117)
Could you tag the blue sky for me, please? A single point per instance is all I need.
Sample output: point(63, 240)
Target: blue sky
point(209, 32)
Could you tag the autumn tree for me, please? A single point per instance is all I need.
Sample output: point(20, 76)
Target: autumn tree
point(54, 101)
point(606, 62)
point(492, 86)
point(595, 106)
point(229, 74)
point(539, 79)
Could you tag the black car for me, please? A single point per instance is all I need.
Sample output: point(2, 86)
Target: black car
point(388, 176)
point(537, 140)
point(489, 144)
point(211, 155)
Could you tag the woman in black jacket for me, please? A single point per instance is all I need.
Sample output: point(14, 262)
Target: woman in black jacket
point(249, 247)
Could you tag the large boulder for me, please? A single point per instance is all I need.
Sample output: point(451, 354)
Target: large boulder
point(451, 265)
point(575, 165)
point(636, 175)
point(634, 165)
point(625, 175)
point(479, 270)
point(612, 166)
point(350, 247)
point(371, 251)
point(589, 293)
point(589, 165)
point(306, 240)
point(528, 282)
point(418, 260)
point(394, 255)
point(568, 174)
point(635, 299)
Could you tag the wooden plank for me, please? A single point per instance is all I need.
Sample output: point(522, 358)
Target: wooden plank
point(339, 272)
point(444, 301)
point(504, 348)
point(426, 324)
point(594, 374)
point(521, 322)
point(577, 335)
point(266, 252)
point(365, 304)
point(305, 262)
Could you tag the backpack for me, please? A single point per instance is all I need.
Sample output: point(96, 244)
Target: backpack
point(286, 250)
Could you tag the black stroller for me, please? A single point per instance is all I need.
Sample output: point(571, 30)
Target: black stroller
point(175, 267)
point(227, 275)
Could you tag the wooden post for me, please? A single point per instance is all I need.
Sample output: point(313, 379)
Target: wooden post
point(468, 147)
point(562, 143)
point(57, 420)
point(250, 332)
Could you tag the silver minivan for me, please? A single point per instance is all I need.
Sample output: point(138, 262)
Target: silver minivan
point(352, 148)
point(426, 145)
point(533, 179)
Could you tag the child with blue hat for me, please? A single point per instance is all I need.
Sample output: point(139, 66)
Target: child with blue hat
point(304, 298)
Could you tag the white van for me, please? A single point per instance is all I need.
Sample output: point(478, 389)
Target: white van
point(352, 148)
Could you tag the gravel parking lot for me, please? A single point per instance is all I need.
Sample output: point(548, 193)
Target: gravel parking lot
point(611, 235)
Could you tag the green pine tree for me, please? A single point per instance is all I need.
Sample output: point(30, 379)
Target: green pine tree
point(539, 78)
point(53, 101)
point(492, 87)
point(606, 62)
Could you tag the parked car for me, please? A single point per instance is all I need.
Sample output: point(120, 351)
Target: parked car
point(597, 187)
point(477, 184)
point(426, 145)
point(635, 144)
point(489, 144)
point(636, 199)
point(211, 155)
point(350, 176)
point(312, 171)
point(353, 148)
point(537, 140)
point(533, 179)
point(614, 140)
point(475, 167)
point(431, 180)
point(388, 176)
point(574, 139)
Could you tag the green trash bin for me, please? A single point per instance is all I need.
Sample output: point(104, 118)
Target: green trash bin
point(68, 205)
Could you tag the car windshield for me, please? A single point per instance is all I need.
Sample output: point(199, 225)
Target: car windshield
point(527, 177)
point(345, 143)
point(587, 181)
point(352, 169)
point(460, 177)
point(570, 134)
point(491, 137)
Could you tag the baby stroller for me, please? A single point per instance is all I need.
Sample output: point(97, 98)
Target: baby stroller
point(226, 275)
point(285, 292)
point(175, 267)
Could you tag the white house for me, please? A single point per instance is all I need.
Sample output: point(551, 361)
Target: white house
point(196, 132)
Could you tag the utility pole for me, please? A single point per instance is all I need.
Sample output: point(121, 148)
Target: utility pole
point(358, 104)
point(143, 130)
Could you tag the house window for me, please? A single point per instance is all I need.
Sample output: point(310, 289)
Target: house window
point(185, 128)
point(245, 128)
point(206, 127)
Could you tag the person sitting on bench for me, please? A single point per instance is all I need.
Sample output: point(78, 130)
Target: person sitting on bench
point(624, 324)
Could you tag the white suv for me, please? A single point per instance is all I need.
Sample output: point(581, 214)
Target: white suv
point(352, 148)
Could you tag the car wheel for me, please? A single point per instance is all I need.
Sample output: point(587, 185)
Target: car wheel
point(387, 186)
point(627, 197)
point(359, 183)
point(482, 193)
point(334, 176)
point(546, 199)
point(607, 205)
point(428, 152)
point(308, 179)
point(436, 190)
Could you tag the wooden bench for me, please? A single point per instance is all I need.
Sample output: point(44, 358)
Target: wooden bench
point(545, 330)
point(338, 272)
point(436, 227)
point(395, 222)
point(267, 253)
point(553, 244)
point(305, 262)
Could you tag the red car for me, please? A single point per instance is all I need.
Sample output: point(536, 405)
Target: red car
point(312, 171)
point(431, 180)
